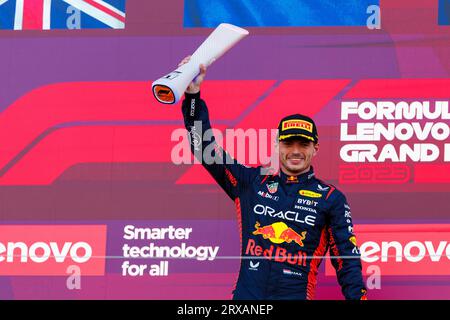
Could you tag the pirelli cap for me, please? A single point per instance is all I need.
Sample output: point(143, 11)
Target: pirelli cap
point(297, 125)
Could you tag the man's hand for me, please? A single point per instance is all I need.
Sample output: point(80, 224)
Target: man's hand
point(194, 86)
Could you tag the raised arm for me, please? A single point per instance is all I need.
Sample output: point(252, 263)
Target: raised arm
point(229, 174)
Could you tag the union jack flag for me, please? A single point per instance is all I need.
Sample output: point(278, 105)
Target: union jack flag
point(61, 14)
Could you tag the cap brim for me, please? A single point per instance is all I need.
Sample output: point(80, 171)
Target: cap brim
point(296, 135)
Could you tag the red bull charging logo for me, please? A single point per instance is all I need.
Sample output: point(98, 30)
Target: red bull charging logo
point(279, 232)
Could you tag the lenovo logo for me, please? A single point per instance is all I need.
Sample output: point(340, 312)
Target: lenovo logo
point(50, 249)
point(403, 249)
point(414, 251)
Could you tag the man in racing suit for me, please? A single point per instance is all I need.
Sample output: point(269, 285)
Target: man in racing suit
point(288, 220)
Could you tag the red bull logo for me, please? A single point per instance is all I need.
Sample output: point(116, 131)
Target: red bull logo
point(279, 232)
point(292, 179)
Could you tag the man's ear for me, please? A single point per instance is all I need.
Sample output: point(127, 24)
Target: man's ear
point(316, 149)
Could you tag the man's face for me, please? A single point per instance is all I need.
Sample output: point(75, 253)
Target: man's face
point(296, 155)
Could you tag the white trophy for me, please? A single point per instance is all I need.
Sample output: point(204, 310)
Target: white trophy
point(170, 88)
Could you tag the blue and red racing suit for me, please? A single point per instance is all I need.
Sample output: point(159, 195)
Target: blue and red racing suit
point(287, 223)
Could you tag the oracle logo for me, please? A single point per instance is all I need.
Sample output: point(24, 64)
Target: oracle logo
point(41, 252)
point(50, 249)
point(414, 251)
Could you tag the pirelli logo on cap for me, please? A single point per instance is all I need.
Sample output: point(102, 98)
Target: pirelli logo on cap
point(297, 124)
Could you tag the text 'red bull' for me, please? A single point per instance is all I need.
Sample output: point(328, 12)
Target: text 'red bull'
point(280, 255)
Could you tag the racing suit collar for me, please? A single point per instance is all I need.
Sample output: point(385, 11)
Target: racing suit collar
point(297, 179)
